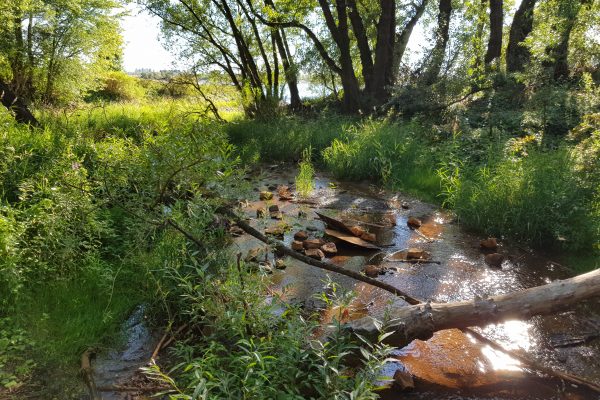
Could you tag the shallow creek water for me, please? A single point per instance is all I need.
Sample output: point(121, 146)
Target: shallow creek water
point(450, 365)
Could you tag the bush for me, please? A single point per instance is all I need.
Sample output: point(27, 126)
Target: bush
point(118, 86)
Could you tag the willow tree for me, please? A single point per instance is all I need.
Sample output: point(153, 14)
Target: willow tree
point(54, 50)
point(224, 34)
point(361, 42)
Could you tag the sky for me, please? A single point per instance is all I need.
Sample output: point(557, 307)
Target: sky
point(143, 49)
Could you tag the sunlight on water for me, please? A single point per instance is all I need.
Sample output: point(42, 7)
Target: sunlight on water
point(499, 360)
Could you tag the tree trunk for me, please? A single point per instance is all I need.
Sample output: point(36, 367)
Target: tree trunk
point(362, 42)
point(560, 52)
point(384, 51)
point(442, 36)
point(494, 49)
point(341, 37)
point(16, 105)
point(517, 55)
point(403, 37)
point(421, 321)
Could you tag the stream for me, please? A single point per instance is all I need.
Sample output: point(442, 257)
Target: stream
point(450, 365)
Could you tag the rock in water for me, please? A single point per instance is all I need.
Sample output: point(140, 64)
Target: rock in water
point(415, 254)
point(313, 243)
point(369, 237)
point(413, 223)
point(297, 245)
point(489, 244)
point(280, 264)
point(494, 260)
point(403, 380)
point(372, 271)
point(265, 195)
point(301, 235)
point(357, 231)
point(315, 253)
point(329, 249)
point(261, 212)
point(274, 208)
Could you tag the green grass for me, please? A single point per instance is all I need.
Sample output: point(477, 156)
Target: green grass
point(496, 184)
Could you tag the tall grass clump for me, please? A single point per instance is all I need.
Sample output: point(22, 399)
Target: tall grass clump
point(285, 138)
point(537, 199)
point(305, 180)
point(396, 154)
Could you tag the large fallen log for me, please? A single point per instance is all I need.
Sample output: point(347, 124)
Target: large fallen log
point(421, 321)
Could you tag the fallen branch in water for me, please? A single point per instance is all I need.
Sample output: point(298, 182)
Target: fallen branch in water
point(421, 321)
point(417, 261)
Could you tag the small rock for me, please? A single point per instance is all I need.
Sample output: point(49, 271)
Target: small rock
point(276, 231)
point(253, 254)
point(302, 214)
point(284, 193)
point(261, 212)
point(405, 206)
point(415, 254)
point(329, 249)
point(276, 214)
point(265, 268)
point(413, 223)
point(357, 231)
point(313, 243)
point(297, 245)
point(369, 237)
point(315, 253)
point(301, 235)
point(494, 260)
point(372, 271)
point(265, 195)
point(280, 264)
point(403, 380)
point(273, 207)
point(489, 244)
point(236, 231)
point(312, 228)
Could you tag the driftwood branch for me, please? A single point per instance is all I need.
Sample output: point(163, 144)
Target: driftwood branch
point(421, 321)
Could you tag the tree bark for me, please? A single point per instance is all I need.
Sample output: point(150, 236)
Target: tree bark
point(517, 55)
point(494, 49)
point(442, 36)
point(16, 105)
point(560, 53)
point(421, 321)
point(362, 42)
point(384, 50)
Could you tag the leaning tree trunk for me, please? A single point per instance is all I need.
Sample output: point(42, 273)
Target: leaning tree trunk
point(517, 55)
point(494, 49)
point(16, 105)
point(442, 36)
point(421, 321)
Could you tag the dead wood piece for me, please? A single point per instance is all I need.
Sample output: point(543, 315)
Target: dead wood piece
point(334, 223)
point(351, 239)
